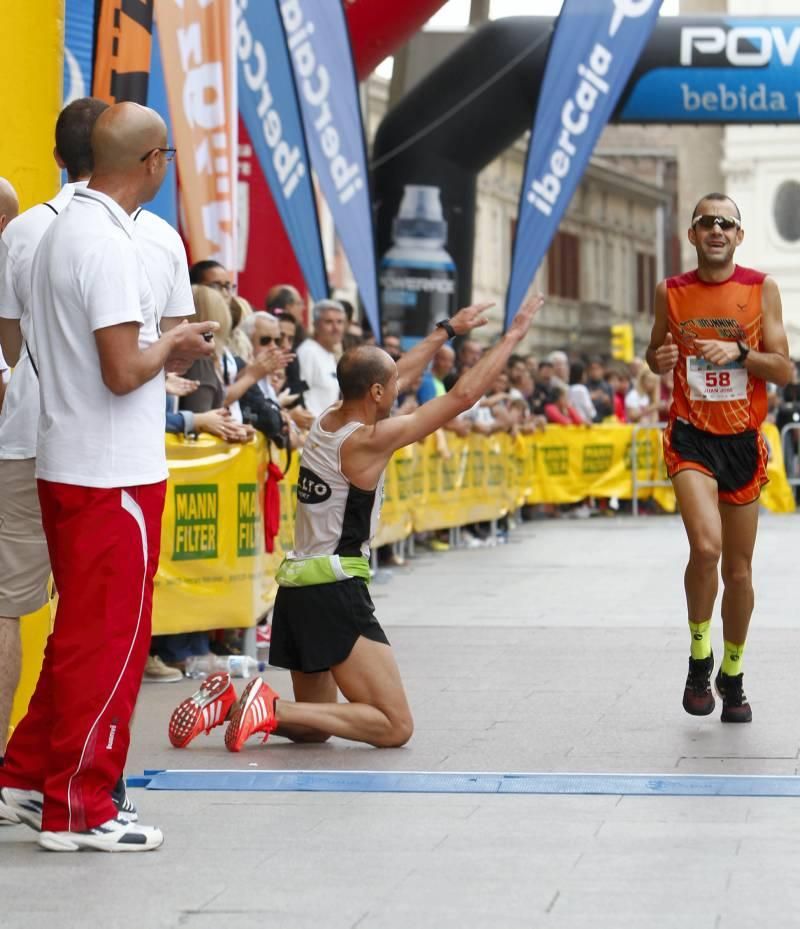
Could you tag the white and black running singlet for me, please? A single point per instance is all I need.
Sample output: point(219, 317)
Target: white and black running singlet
point(333, 516)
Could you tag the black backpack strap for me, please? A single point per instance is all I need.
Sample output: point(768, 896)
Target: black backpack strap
point(30, 356)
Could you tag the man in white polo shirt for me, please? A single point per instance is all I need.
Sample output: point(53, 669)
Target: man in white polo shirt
point(24, 561)
point(101, 468)
point(317, 358)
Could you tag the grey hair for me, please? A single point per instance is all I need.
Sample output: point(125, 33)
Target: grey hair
point(248, 324)
point(322, 305)
point(555, 356)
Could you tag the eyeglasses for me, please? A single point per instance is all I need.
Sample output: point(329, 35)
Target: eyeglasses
point(225, 286)
point(169, 153)
point(724, 222)
point(268, 339)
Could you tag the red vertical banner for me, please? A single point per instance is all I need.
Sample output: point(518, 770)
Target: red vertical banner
point(199, 66)
point(265, 259)
point(122, 56)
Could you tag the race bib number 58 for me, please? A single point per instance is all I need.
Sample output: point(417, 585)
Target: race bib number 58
point(712, 382)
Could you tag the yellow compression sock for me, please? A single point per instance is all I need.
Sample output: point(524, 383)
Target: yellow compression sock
point(732, 662)
point(701, 639)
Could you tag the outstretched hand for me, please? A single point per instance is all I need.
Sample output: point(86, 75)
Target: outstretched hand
point(470, 317)
point(522, 321)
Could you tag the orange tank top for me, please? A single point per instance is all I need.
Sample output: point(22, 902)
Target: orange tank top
point(722, 400)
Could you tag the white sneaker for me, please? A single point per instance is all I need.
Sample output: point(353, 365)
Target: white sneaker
point(21, 806)
point(116, 835)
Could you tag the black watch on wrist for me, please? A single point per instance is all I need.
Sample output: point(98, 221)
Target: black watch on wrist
point(445, 324)
point(744, 351)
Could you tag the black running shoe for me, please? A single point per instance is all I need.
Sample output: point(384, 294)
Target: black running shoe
point(697, 697)
point(735, 708)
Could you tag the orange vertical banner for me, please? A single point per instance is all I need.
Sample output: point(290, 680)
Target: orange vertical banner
point(200, 70)
point(122, 50)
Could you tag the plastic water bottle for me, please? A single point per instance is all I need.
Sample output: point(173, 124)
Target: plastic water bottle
point(199, 666)
point(417, 275)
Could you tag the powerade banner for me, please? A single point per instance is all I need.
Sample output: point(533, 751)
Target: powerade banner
point(78, 48)
point(122, 55)
point(270, 109)
point(197, 53)
point(719, 70)
point(594, 49)
point(319, 44)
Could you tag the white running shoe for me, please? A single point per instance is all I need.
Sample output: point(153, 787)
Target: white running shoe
point(116, 835)
point(21, 806)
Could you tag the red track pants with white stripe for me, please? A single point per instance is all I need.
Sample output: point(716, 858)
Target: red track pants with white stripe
point(72, 744)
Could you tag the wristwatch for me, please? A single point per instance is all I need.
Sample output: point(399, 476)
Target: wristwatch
point(445, 324)
point(744, 351)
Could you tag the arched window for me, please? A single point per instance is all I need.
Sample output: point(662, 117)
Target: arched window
point(786, 210)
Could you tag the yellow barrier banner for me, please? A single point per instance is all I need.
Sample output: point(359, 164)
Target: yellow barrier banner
point(30, 96)
point(398, 493)
point(570, 463)
point(777, 496)
point(213, 572)
point(34, 630)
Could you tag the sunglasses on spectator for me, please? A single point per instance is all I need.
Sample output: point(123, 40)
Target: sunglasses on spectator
point(169, 153)
point(268, 339)
point(222, 285)
point(724, 222)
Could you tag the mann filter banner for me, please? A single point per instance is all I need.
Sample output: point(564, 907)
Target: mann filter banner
point(319, 45)
point(728, 69)
point(270, 109)
point(78, 48)
point(213, 571)
point(122, 53)
point(197, 54)
point(593, 51)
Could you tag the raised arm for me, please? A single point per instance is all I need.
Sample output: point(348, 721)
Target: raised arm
point(369, 453)
point(414, 361)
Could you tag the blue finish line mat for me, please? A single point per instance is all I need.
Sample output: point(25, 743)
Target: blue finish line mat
point(445, 782)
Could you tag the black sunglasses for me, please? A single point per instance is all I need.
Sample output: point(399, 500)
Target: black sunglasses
point(724, 222)
point(169, 153)
point(268, 339)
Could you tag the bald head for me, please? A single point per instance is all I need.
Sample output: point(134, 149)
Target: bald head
point(444, 361)
point(9, 203)
point(361, 367)
point(122, 135)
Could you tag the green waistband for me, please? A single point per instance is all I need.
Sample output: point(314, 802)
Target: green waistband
point(321, 569)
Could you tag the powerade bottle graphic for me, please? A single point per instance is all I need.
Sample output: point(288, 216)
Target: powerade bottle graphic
point(417, 275)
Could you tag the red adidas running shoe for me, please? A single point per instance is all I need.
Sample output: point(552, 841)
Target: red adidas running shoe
point(255, 713)
point(205, 709)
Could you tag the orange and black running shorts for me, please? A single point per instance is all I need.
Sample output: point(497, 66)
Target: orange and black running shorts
point(737, 462)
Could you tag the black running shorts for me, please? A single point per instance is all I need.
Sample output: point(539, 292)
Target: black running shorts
point(737, 462)
point(314, 628)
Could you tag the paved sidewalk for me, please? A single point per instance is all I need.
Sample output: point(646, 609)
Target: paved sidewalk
point(563, 651)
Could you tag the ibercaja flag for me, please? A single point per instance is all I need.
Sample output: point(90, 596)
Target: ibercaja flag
point(595, 46)
point(200, 69)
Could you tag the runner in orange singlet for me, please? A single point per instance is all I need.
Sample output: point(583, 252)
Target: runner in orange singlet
point(720, 328)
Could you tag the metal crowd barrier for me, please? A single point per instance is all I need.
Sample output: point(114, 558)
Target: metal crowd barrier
point(789, 454)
